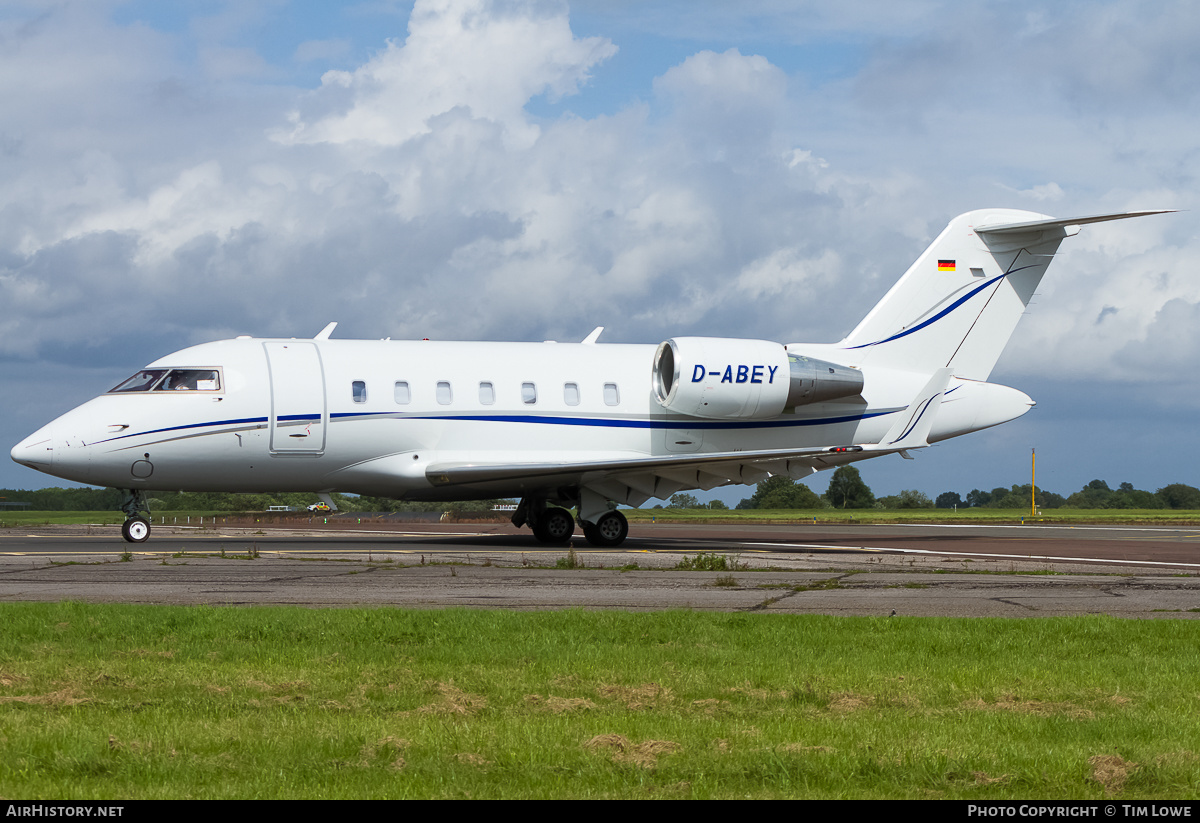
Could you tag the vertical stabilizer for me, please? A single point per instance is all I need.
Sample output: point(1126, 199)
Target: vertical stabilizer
point(958, 305)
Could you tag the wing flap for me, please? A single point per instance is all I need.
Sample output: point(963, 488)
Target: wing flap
point(726, 466)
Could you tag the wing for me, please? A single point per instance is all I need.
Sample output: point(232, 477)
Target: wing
point(635, 480)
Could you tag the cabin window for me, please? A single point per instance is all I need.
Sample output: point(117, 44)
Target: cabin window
point(612, 396)
point(571, 394)
point(359, 389)
point(403, 394)
point(444, 395)
point(528, 394)
point(487, 393)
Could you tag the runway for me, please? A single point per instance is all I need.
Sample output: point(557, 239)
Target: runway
point(1164, 547)
point(1033, 570)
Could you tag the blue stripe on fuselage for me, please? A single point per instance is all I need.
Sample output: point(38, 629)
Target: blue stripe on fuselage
point(243, 421)
point(531, 418)
point(655, 424)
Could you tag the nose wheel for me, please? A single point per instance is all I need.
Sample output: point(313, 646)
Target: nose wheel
point(136, 527)
point(135, 530)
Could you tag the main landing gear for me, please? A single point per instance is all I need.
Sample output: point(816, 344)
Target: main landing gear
point(136, 528)
point(602, 527)
point(609, 530)
point(554, 526)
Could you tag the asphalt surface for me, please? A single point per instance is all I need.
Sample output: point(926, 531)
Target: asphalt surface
point(1009, 571)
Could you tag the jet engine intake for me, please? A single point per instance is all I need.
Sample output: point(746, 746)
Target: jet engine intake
point(721, 378)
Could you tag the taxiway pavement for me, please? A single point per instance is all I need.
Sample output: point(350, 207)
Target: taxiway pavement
point(1009, 571)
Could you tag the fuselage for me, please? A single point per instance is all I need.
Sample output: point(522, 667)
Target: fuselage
point(369, 417)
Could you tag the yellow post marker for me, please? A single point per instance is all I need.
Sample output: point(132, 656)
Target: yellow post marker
point(1033, 483)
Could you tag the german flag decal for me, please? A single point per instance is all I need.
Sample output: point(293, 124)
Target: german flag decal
point(945, 265)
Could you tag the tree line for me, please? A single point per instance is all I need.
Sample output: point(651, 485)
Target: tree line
point(846, 490)
point(1095, 495)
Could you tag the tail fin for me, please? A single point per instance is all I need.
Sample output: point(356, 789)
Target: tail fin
point(958, 305)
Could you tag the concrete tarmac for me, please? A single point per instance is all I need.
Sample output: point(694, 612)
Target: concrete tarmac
point(1014, 571)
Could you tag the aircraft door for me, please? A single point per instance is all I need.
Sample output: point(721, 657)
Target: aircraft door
point(298, 412)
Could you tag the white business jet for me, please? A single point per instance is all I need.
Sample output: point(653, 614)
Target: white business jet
point(582, 426)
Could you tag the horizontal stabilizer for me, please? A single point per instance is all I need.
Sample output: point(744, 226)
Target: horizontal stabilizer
point(1061, 223)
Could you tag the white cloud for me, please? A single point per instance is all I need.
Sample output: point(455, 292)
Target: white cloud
point(486, 56)
point(146, 203)
point(421, 170)
point(1046, 191)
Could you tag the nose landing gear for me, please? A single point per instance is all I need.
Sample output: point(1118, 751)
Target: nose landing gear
point(136, 528)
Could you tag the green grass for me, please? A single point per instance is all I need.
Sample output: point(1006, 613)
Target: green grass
point(102, 701)
point(710, 562)
point(18, 519)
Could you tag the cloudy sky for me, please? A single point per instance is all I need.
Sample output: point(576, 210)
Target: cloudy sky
point(173, 173)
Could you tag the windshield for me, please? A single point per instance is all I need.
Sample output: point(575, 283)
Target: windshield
point(172, 380)
point(142, 381)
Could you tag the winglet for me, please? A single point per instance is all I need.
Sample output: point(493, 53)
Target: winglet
point(324, 333)
point(911, 431)
point(591, 338)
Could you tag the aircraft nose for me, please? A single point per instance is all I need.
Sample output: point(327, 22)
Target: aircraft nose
point(59, 448)
point(36, 451)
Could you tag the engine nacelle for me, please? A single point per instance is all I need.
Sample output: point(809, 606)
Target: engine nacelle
point(815, 381)
point(722, 378)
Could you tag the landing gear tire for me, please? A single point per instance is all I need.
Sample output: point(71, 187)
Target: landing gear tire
point(135, 530)
point(609, 531)
point(555, 526)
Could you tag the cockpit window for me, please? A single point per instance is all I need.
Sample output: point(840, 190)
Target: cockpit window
point(172, 380)
point(190, 380)
point(142, 381)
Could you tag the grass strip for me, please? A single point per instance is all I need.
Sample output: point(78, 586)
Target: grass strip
point(123, 702)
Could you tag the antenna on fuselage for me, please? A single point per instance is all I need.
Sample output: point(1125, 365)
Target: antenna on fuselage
point(324, 333)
